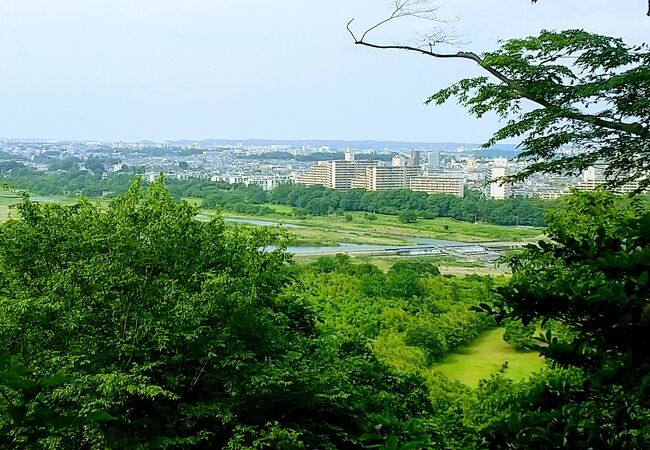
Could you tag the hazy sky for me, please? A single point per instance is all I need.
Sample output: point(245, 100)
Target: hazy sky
point(171, 69)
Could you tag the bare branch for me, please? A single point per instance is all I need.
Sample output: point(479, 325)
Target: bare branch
point(422, 9)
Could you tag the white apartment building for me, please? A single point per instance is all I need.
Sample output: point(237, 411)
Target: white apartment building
point(438, 185)
point(498, 190)
point(383, 178)
point(334, 174)
point(594, 177)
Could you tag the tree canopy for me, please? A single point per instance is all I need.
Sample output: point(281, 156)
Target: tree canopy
point(139, 326)
point(593, 280)
point(572, 98)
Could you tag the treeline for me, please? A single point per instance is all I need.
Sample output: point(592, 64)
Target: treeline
point(317, 200)
point(313, 200)
point(473, 207)
point(73, 182)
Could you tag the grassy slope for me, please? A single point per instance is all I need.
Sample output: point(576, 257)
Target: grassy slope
point(485, 357)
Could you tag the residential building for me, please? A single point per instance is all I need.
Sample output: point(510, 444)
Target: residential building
point(594, 177)
point(498, 190)
point(434, 160)
point(380, 178)
point(438, 185)
point(334, 174)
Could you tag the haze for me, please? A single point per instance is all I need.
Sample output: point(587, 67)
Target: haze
point(153, 69)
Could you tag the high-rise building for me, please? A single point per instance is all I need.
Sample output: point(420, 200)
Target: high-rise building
point(399, 161)
point(349, 155)
point(334, 174)
point(319, 174)
point(414, 160)
point(498, 190)
point(438, 185)
point(382, 178)
point(434, 160)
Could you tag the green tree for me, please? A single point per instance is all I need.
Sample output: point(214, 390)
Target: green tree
point(147, 328)
point(598, 101)
point(407, 216)
point(593, 280)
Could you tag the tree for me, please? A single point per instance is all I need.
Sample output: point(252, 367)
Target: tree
point(598, 103)
point(592, 280)
point(407, 216)
point(146, 328)
point(94, 164)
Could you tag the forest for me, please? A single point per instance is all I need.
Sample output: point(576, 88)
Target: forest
point(137, 326)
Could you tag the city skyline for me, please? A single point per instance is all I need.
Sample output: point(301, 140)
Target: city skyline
point(198, 70)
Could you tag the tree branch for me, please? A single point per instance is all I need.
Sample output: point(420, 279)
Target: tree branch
point(632, 128)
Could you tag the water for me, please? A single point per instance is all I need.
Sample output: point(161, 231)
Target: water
point(344, 247)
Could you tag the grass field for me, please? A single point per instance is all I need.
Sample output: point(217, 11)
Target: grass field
point(485, 357)
point(314, 237)
point(6, 200)
point(438, 228)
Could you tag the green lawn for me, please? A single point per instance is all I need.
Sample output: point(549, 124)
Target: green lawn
point(280, 209)
point(485, 357)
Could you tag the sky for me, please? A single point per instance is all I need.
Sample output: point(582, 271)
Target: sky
point(279, 69)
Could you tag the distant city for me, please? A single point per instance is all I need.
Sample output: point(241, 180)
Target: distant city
point(447, 168)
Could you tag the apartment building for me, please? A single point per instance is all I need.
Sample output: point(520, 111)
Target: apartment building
point(334, 174)
point(438, 185)
point(499, 190)
point(382, 178)
point(594, 177)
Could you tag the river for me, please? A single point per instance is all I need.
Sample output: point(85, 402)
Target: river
point(345, 247)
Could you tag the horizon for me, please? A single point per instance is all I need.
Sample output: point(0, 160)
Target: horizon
point(281, 142)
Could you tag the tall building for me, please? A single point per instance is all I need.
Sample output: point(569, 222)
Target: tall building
point(498, 190)
point(438, 185)
point(334, 174)
point(414, 159)
point(349, 155)
point(382, 178)
point(434, 160)
point(319, 174)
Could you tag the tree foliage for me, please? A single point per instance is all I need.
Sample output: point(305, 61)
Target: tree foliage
point(138, 326)
point(560, 90)
point(593, 280)
point(592, 93)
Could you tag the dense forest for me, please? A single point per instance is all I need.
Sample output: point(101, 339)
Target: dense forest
point(138, 326)
point(314, 200)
